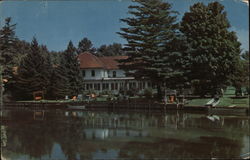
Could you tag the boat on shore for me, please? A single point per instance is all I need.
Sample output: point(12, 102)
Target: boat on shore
point(76, 107)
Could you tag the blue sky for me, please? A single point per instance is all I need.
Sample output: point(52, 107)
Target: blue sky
point(55, 23)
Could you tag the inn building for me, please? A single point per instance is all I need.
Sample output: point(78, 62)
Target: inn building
point(103, 74)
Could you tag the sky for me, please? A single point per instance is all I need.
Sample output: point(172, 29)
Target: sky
point(54, 23)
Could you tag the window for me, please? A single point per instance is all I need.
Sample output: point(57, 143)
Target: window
point(143, 85)
point(114, 73)
point(108, 73)
point(130, 85)
point(93, 73)
point(83, 73)
point(103, 86)
point(116, 86)
point(95, 86)
point(90, 86)
point(107, 86)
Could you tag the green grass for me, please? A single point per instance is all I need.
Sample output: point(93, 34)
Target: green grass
point(229, 91)
point(226, 101)
point(101, 99)
point(198, 101)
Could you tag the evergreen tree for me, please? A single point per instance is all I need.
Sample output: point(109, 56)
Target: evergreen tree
point(85, 45)
point(59, 87)
point(33, 73)
point(73, 70)
point(151, 33)
point(22, 47)
point(214, 50)
point(7, 47)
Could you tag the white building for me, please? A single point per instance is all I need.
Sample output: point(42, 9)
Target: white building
point(104, 74)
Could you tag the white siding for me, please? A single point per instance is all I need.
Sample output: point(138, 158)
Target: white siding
point(119, 73)
point(99, 74)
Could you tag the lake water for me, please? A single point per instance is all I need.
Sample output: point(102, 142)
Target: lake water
point(64, 135)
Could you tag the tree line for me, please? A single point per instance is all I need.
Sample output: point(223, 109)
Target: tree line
point(30, 67)
point(199, 52)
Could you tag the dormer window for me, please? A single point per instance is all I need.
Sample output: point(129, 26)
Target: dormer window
point(114, 73)
point(93, 73)
point(83, 73)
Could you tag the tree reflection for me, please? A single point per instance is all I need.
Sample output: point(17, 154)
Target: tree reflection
point(81, 136)
point(31, 140)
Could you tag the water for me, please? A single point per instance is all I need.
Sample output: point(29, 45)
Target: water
point(64, 135)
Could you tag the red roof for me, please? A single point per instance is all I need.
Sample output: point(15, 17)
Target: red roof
point(88, 61)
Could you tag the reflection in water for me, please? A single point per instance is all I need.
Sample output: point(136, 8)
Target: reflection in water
point(74, 135)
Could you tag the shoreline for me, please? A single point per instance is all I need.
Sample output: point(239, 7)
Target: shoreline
point(120, 105)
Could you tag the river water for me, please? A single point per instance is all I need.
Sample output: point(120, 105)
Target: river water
point(71, 135)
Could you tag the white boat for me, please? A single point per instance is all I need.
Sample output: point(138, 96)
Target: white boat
point(76, 107)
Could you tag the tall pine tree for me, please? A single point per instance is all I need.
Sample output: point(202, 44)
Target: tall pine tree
point(32, 73)
point(59, 86)
point(73, 70)
point(214, 50)
point(151, 33)
point(7, 48)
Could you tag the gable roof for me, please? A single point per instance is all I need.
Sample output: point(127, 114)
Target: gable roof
point(111, 62)
point(90, 61)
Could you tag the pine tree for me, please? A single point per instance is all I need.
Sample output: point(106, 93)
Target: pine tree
point(73, 70)
point(214, 50)
point(33, 73)
point(85, 45)
point(151, 33)
point(59, 87)
point(7, 47)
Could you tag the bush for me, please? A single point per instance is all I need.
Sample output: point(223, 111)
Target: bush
point(148, 93)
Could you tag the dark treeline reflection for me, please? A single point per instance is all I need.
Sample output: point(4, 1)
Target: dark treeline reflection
point(90, 135)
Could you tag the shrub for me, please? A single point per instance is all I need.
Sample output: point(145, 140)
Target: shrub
point(148, 93)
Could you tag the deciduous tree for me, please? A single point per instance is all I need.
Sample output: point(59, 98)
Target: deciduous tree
point(85, 45)
point(214, 50)
point(114, 49)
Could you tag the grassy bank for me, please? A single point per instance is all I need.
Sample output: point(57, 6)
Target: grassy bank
point(228, 100)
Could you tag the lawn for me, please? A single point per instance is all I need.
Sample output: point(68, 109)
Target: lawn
point(198, 101)
point(227, 101)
